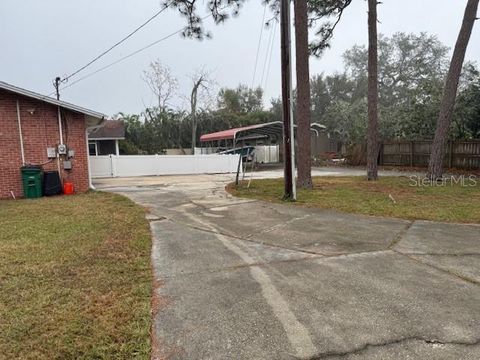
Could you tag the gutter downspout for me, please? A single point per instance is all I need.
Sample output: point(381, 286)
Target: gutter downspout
point(20, 133)
point(90, 185)
point(91, 128)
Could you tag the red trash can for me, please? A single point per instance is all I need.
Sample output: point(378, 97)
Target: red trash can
point(68, 188)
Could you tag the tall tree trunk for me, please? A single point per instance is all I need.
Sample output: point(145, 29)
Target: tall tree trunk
point(372, 136)
point(304, 179)
point(435, 166)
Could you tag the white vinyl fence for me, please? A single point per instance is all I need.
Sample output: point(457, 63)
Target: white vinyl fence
point(205, 150)
point(264, 154)
point(151, 165)
point(267, 154)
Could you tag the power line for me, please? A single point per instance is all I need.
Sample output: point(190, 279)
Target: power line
point(270, 41)
point(259, 43)
point(270, 57)
point(122, 59)
point(128, 56)
point(115, 45)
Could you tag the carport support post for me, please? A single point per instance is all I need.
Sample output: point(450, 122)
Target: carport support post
point(238, 168)
point(288, 134)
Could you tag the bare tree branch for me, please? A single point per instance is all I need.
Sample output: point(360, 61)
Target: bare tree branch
point(201, 85)
point(162, 83)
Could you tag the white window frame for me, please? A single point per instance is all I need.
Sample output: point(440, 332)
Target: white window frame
point(94, 142)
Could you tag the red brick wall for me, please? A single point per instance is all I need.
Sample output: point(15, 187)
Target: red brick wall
point(39, 130)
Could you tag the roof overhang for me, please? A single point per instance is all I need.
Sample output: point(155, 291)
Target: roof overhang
point(92, 118)
point(106, 138)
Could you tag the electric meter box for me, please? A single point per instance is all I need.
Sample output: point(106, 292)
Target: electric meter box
point(62, 149)
point(51, 152)
point(67, 165)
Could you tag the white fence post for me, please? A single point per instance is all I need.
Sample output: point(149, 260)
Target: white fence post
point(111, 166)
point(113, 159)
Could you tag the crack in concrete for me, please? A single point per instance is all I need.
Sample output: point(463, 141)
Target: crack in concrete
point(158, 219)
point(216, 232)
point(315, 254)
point(280, 225)
point(400, 235)
point(233, 204)
point(437, 254)
point(298, 250)
point(242, 266)
point(446, 271)
point(365, 347)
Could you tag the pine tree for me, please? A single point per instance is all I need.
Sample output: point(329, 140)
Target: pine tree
point(435, 167)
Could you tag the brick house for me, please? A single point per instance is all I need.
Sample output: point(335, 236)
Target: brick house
point(32, 126)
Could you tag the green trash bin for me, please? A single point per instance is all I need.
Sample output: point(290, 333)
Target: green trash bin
point(32, 181)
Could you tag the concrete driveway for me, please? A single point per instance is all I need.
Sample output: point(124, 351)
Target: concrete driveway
point(243, 279)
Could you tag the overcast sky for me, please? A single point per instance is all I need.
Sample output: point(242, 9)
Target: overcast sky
point(43, 39)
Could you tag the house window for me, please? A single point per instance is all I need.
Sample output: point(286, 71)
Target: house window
point(92, 148)
point(106, 147)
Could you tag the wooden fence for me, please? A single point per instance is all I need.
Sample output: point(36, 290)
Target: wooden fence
point(459, 154)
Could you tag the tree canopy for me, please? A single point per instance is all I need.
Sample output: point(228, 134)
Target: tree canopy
point(412, 69)
point(241, 100)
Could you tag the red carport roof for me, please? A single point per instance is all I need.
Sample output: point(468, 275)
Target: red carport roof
point(270, 129)
point(227, 134)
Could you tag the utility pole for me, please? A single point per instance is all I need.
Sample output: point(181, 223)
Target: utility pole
point(57, 82)
point(290, 192)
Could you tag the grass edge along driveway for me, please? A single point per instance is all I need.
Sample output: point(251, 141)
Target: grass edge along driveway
point(394, 196)
point(75, 278)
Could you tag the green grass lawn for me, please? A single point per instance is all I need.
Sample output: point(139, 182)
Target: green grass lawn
point(75, 278)
point(450, 203)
